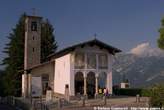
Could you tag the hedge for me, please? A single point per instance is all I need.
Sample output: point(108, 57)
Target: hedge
point(127, 91)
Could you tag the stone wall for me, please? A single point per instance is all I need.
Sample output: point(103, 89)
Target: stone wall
point(47, 68)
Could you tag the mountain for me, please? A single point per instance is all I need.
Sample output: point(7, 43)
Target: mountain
point(142, 66)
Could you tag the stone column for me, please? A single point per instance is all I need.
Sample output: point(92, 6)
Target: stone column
point(29, 85)
point(96, 86)
point(85, 85)
point(24, 85)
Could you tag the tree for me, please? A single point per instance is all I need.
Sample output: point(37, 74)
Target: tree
point(159, 94)
point(1, 83)
point(48, 43)
point(15, 53)
point(160, 40)
point(156, 94)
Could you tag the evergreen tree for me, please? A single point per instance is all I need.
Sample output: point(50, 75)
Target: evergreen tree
point(48, 43)
point(157, 93)
point(1, 83)
point(160, 40)
point(15, 52)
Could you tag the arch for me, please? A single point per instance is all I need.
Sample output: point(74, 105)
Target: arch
point(102, 80)
point(91, 84)
point(79, 83)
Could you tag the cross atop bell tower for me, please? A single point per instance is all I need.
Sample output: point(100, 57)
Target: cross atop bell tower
point(32, 50)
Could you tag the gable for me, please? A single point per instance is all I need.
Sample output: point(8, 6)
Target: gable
point(93, 49)
point(110, 49)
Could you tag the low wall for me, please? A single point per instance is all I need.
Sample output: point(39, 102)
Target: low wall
point(16, 102)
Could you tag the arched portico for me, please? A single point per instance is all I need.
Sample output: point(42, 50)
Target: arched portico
point(79, 83)
point(90, 84)
point(102, 80)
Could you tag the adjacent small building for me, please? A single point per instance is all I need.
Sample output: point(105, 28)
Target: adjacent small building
point(80, 69)
point(124, 85)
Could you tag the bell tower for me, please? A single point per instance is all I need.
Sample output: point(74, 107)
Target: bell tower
point(32, 41)
point(32, 50)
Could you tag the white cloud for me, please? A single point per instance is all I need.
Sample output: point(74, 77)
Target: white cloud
point(145, 49)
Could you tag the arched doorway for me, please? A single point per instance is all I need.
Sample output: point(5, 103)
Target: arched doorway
point(91, 84)
point(79, 83)
point(102, 80)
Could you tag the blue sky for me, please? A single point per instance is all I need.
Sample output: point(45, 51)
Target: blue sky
point(121, 23)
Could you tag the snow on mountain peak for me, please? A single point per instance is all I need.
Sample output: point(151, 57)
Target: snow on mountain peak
point(145, 50)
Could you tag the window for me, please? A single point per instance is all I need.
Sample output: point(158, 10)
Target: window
point(45, 77)
point(91, 61)
point(79, 61)
point(33, 49)
point(33, 26)
point(103, 61)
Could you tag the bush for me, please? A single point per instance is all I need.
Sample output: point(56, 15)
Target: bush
point(146, 92)
point(157, 95)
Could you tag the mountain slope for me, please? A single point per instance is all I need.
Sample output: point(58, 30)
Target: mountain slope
point(142, 69)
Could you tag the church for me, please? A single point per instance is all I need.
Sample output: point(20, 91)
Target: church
point(80, 69)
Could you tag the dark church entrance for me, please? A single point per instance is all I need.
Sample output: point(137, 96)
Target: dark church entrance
point(91, 85)
point(79, 83)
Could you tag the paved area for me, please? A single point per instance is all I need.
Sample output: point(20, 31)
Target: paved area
point(93, 104)
point(6, 107)
point(114, 102)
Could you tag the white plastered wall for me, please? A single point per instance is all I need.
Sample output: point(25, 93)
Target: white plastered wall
point(62, 74)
